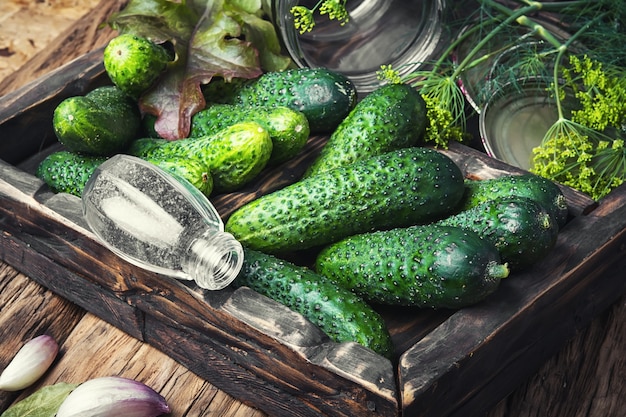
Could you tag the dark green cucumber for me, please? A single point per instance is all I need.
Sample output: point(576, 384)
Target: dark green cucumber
point(134, 63)
point(398, 188)
point(288, 128)
point(391, 117)
point(234, 155)
point(68, 172)
point(339, 313)
point(102, 122)
point(532, 186)
point(430, 266)
point(520, 228)
point(324, 96)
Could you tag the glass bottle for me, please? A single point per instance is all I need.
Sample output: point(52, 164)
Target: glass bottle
point(161, 223)
point(402, 33)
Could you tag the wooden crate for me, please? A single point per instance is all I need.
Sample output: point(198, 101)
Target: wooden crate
point(447, 363)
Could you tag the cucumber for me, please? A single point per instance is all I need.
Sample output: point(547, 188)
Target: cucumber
point(532, 186)
point(234, 155)
point(325, 97)
point(133, 63)
point(68, 172)
point(426, 266)
point(102, 122)
point(520, 228)
point(289, 129)
point(196, 172)
point(391, 117)
point(398, 188)
point(339, 313)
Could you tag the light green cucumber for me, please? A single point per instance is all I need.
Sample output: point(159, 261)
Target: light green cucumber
point(288, 128)
point(68, 172)
point(234, 155)
point(133, 63)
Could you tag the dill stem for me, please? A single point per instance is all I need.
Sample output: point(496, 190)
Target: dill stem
point(557, 62)
point(513, 15)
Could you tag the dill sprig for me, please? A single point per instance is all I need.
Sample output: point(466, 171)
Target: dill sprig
point(304, 19)
point(586, 151)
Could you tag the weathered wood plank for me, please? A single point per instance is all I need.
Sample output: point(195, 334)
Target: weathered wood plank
point(85, 35)
point(28, 310)
point(94, 348)
point(585, 379)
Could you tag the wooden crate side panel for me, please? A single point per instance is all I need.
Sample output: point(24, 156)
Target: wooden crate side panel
point(26, 114)
point(256, 371)
point(499, 343)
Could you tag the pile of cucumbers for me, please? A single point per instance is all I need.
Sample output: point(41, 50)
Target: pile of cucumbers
point(387, 220)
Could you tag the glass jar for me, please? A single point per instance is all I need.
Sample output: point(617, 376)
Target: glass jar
point(402, 33)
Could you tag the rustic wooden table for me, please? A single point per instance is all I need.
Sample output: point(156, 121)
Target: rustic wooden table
point(586, 378)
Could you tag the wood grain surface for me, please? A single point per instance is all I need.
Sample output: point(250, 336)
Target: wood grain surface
point(585, 379)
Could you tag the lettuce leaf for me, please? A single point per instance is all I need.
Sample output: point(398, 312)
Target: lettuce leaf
point(228, 39)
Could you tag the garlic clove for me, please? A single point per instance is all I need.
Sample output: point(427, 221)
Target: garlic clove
point(29, 363)
point(113, 396)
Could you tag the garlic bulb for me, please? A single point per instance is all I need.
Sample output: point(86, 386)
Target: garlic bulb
point(113, 396)
point(29, 364)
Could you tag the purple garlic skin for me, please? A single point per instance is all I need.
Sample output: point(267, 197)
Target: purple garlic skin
point(29, 363)
point(113, 396)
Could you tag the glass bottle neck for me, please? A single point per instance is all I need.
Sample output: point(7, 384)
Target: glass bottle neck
point(213, 259)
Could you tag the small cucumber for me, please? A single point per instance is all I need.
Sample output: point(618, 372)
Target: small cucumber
point(532, 186)
point(196, 172)
point(288, 128)
point(520, 228)
point(102, 122)
point(68, 172)
point(391, 117)
point(133, 63)
point(339, 313)
point(428, 266)
point(324, 96)
point(398, 188)
point(234, 155)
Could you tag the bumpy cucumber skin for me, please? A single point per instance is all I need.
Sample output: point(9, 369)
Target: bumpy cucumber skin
point(532, 186)
point(325, 97)
point(68, 172)
point(134, 63)
point(288, 128)
point(426, 266)
point(234, 155)
point(391, 117)
point(398, 188)
point(338, 312)
point(520, 228)
point(102, 122)
point(193, 171)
